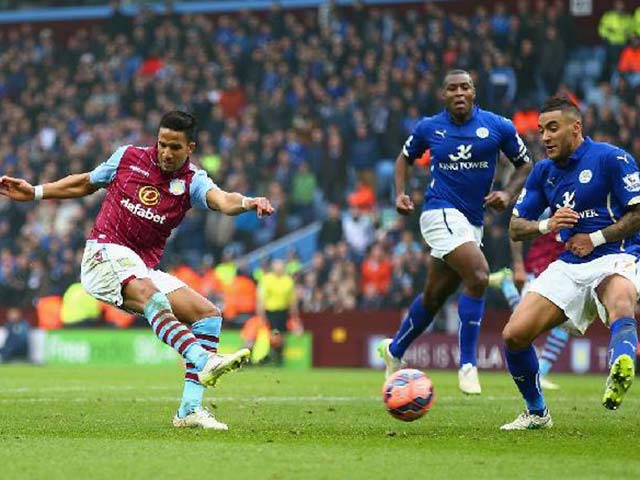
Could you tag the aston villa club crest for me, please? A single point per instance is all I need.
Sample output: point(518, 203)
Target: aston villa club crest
point(177, 186)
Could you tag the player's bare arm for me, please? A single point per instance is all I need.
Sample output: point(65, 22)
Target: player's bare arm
point(404, 205)
point(71, 186)
point(501, 199)
point(582, 244)
point(233, 203)
point(521, 229)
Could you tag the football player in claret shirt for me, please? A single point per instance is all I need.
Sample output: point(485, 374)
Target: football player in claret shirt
point(465, 143)
point(148, 192)
point(593, 191)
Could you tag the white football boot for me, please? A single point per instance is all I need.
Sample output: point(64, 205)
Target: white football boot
point(468, 380)
point(217, 365)
point(392, 363)
point(199, 418)
point(528, 421)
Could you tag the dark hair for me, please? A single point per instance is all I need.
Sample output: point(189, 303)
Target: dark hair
point(564, 104)
point(456, 71)
point(180, 122)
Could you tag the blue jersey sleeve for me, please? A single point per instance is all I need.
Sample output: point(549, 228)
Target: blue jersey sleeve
point(512, 145)
point(103, 174)
point(625, 177)
point(532, 201)
point(200, 185)
point(418, 141)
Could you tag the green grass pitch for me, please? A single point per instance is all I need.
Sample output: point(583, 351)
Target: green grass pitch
point(114, 423)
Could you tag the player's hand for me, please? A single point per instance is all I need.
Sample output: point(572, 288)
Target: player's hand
point(16, 189)
point(497, 200)
point(563, 218)
point(404, 205)
point(261, 205)
point(519, 275)
point(580, 244)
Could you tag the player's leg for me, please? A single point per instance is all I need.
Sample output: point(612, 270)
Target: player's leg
point(553, 347)
point(117, 275)
point(441, 282)
point(206, 322)
point(618, 295)
point(533, 316)
point(471, 266)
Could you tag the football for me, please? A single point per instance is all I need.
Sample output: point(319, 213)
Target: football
point(408, 394)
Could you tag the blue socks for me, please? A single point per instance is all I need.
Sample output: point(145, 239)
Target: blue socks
point(416, 321)
point(553, 347)
point(172, 332)
point(523, 367)
point(470, 310)
point(510, 292)
point(624, 339)
point(207, 331)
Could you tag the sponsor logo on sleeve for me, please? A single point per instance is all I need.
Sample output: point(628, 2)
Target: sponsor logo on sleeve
point(632, 182)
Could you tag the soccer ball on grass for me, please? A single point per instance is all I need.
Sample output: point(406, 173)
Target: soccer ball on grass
point(408, 394)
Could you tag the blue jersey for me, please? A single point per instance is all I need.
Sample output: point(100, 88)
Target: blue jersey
point(599, 182)
point(463, 158)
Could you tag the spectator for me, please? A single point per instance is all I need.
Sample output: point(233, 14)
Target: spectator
point(331, 230)
point(376, 272)
point(16, 343)
point(614, 28)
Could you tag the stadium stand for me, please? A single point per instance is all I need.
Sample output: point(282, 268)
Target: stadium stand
point(305, 107)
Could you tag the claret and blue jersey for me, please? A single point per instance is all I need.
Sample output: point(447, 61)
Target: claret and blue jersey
point(463, 158)
point(600, 182)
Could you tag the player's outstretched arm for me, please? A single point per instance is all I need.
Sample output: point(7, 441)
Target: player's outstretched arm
point(71, 186)
point(522, 229)
point(232, 203)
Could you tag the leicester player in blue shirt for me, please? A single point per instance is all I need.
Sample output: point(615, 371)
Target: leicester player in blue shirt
point(465, 143)
point(593, 190)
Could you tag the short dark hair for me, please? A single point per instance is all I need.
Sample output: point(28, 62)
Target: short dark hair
point(456, 71)
point(180, 122)
point(564, 104)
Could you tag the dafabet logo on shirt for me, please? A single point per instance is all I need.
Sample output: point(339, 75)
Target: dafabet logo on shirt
point(149, 196)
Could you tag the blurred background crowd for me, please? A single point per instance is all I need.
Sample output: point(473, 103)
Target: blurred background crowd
point(309, 108)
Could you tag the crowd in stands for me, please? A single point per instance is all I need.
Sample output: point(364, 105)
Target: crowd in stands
point(307, 107)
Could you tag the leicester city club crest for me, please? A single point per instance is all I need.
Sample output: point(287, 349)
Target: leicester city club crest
point(177, 186)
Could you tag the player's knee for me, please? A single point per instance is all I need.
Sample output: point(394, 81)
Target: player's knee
point(621, 306)
point(206, 309)
point(477, 282)
point(514, 337)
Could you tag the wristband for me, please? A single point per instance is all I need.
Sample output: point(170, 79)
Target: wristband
point(246, 200)
point(597, 238)
point(543, 226)
point(38, 193)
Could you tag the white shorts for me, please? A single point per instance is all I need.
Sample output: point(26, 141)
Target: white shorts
point(572, 287)
point(446, 229)
point(107, 267)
